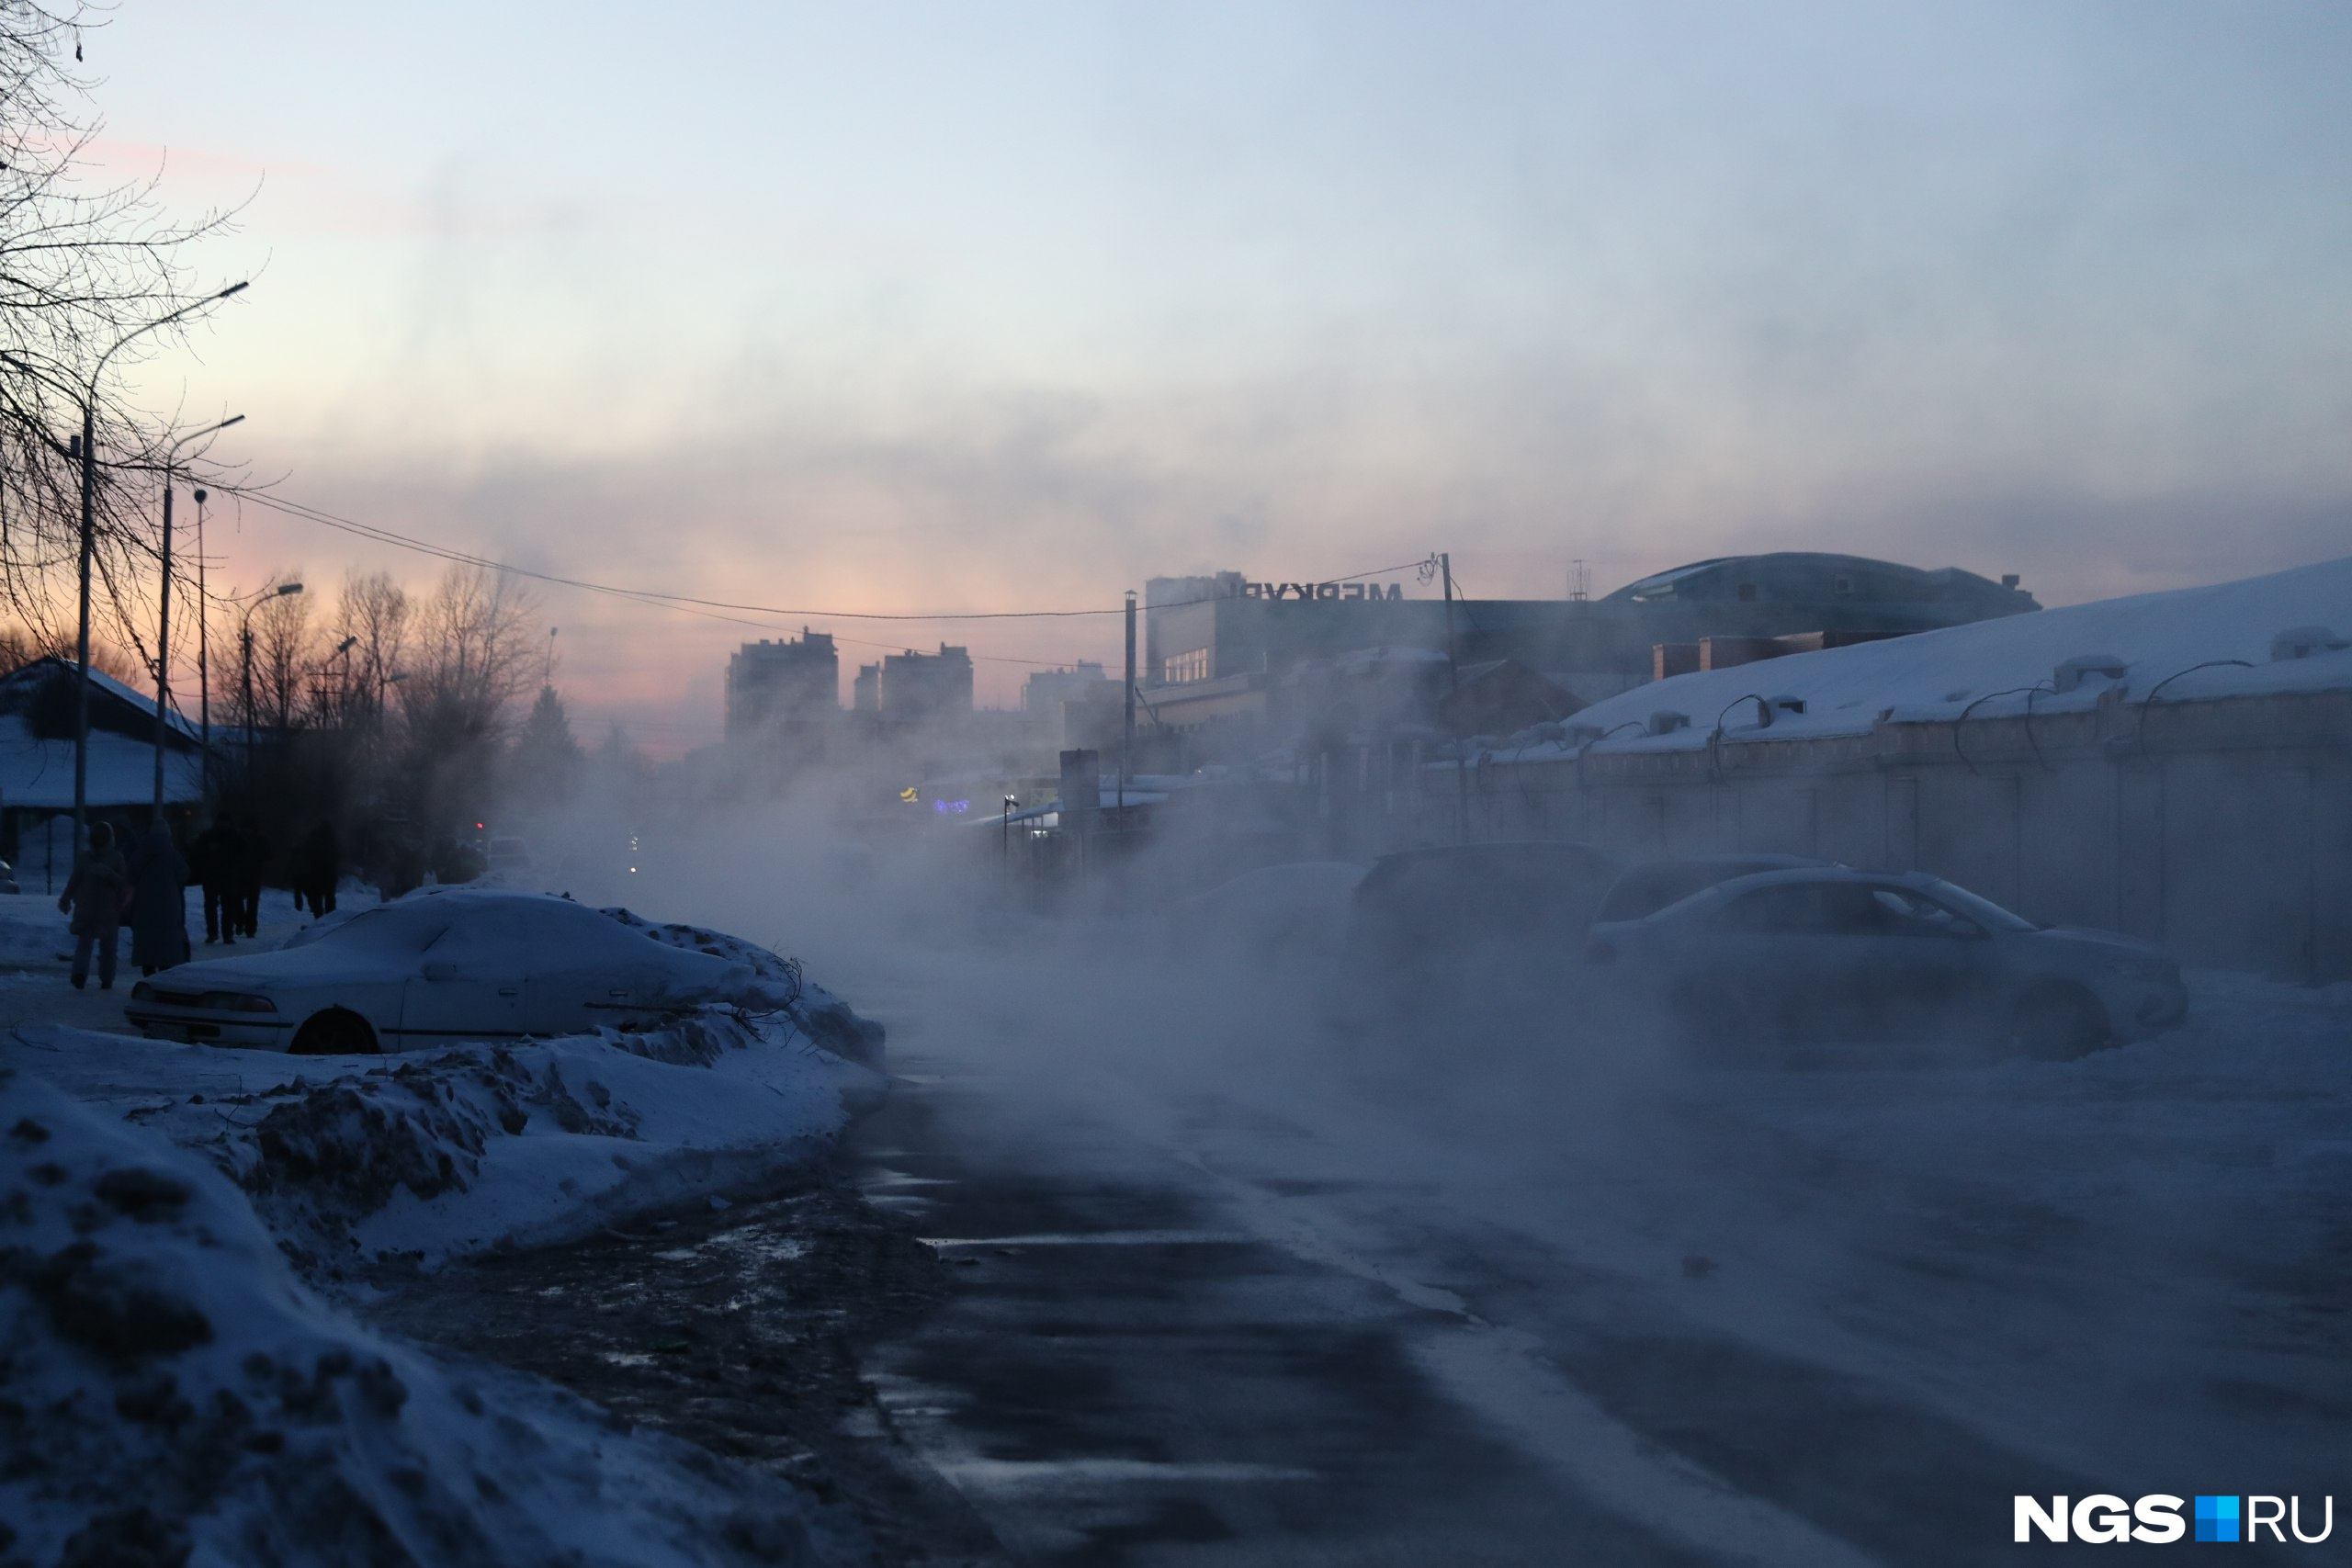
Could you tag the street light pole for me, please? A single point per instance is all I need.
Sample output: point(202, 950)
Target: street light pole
point(89, 455)
point(246, 642)
point(163, 616)
point(203, 662)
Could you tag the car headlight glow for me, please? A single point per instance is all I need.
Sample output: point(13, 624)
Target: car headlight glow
point(235, 1002)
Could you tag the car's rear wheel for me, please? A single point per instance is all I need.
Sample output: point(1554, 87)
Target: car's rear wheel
point(2057, 1023)
point(338, 1031)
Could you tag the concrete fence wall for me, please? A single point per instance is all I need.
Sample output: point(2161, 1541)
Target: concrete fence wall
point(2222, 830)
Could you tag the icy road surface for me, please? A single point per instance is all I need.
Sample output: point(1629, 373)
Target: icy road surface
point(1231, 1289)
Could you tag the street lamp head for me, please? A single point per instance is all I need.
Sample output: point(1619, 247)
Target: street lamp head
point(234, 288)
point(286, 588)
point(348, 645)
point(202, 496)
point(233, 419)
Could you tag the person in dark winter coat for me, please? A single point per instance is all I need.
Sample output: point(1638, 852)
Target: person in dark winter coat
point(95, 894)
point(317, 866)
point(213, 860)
point(252, 860)
point(158, 901)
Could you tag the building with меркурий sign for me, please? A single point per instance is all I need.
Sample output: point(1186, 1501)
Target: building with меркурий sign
point(1219, 651)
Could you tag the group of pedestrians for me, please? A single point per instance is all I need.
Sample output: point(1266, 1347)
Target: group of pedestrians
point(145, 886)
point(145, 889)
point(228, 859)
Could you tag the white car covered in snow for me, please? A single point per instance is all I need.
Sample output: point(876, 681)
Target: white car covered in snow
point(1828, 952)
point(433, 967)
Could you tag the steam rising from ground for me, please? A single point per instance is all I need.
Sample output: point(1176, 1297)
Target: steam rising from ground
point(2110, 1266)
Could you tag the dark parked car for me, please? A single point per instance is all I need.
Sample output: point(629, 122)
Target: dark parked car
point(1470, 922)
point(1832, 954)
point(1652, 885)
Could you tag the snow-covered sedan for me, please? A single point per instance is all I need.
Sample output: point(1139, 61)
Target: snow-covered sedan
point(1829, 952)
point(432, 967)
point(1275, 912)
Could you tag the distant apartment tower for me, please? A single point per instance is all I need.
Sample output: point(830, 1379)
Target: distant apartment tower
point(773, 685)
point(1046, 691)
point(866, 691)
point(915, 686)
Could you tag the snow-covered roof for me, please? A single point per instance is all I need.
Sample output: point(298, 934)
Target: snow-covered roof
point(100, 682)
point(1985, 668)
point(39, 774)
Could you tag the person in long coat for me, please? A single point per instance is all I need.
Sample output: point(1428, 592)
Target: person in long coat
point(158, 901)
point(318, 864)
point(212, 861)
point(253, 861)
point(95, 895)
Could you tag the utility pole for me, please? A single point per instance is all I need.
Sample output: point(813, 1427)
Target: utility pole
point(1454, 686)
point(1127, 735)
point(87, 449)
point(163, 651)
point(203, 663)
point(245, 651)
point(163, 616)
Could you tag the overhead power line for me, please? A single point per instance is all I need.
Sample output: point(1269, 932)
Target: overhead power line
point(309, 513)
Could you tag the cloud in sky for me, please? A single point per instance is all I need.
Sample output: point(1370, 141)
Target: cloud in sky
point(994, 306)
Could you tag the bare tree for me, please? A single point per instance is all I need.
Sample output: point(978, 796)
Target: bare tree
point(373, 616)
point(86, 270)
point(284, 656)
point(471, 658)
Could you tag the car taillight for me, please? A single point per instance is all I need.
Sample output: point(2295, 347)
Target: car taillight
point(234, 1001)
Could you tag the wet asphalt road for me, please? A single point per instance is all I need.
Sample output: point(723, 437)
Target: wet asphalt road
point(1120, 1376)
point(1222, 1339)
point(1142, 1361)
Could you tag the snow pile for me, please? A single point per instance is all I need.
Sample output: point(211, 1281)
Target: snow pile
point(778, 986)
point(174, 1393)
point(1990, 669)
point(435, 1154)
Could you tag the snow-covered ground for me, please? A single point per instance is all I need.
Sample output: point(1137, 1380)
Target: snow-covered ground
point(162, 1200)
point(175, 1394)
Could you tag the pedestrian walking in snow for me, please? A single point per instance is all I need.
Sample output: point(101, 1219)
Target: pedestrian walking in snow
point(252, 860)
point(158, 901)
point(318, 865)
point(95, 893)
point(213, 860)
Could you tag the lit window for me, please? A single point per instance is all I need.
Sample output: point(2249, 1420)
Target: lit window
point(1179, 668)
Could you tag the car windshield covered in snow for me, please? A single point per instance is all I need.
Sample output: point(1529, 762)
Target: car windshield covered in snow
point(394, 928)
point(1647, 889)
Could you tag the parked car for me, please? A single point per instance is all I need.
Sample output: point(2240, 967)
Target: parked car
point(1470, 894)
point(434, 967)
point(1274, 912)
point(1828, 952)
point(1653, 885)
point(1432, 930)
